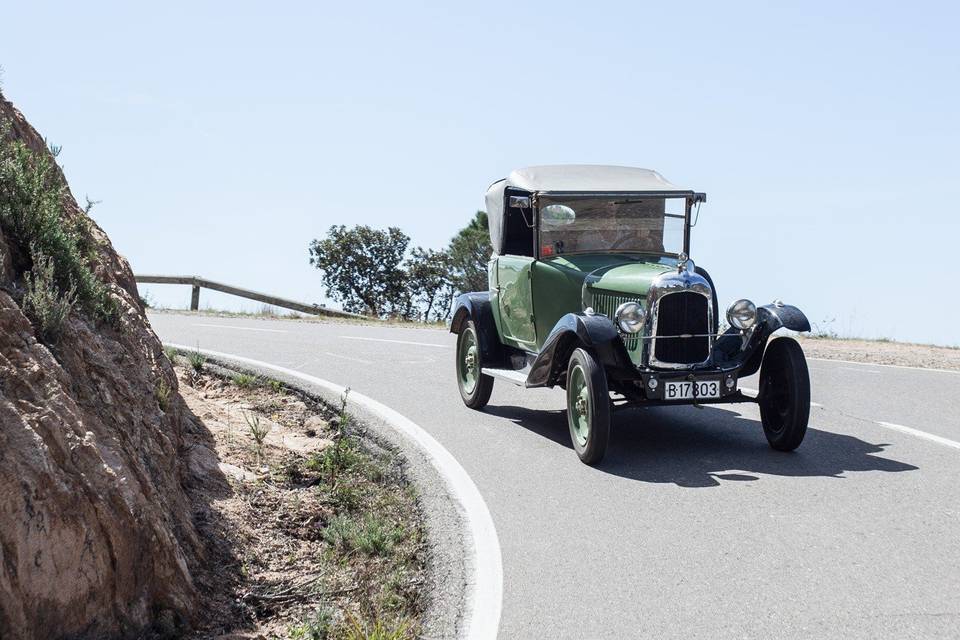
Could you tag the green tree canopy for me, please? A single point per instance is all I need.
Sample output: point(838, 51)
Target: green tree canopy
point(362, 267)
point(430, 284)
point(469, 253)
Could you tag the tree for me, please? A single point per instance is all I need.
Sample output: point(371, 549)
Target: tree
point(362, 267)
point(430, 283)
point(469, 253)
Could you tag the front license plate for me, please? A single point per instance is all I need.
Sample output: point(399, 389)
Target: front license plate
point(684, 390)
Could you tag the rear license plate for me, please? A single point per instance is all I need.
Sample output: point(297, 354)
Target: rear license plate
point(684, 389)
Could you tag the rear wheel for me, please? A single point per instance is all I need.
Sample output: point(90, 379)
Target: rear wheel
point(784, 394)
point(475, 387)
point(588, 406)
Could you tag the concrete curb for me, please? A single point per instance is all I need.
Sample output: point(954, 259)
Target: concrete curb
point(465, 574)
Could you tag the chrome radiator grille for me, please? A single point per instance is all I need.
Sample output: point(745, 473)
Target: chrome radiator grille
point(606, 303)
point(681, 327)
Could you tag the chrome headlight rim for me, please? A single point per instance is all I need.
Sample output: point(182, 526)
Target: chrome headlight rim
point(742, 314)
point(630, 317)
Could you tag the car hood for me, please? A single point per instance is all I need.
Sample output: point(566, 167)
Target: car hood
point(617, 273)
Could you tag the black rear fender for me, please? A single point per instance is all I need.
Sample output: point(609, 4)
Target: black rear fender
point(476, 306)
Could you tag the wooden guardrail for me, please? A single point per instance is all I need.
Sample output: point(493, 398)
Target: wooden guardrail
point(197, 283)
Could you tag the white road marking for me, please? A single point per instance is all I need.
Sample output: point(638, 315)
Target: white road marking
point(920, 434)
point(419, 344)
point(485, 599)
point(755, 393)
point(889, 366)
point(337, 355)
point(860, 370)
point(229, 326)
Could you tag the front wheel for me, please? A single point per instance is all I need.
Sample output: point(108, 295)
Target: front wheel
point(784, 394)
point(475, 386)
point(588, 406)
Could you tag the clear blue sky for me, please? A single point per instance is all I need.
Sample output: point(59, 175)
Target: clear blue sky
point(223, 137)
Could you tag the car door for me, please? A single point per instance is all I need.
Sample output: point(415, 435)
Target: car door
point(515, 301)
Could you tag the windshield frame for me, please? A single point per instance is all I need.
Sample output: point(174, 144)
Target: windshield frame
point(690, 198)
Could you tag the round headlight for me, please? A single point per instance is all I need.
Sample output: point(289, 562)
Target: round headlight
point(630, 317)
point(742, 314)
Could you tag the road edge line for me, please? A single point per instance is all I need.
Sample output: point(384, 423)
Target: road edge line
point(485, 593)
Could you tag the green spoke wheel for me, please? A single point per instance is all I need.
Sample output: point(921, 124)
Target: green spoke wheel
point(588, 406)
point(784, 394)
point(475, 387)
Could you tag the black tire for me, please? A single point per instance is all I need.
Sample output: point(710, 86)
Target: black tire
point(587, 383)
point(475, 387)
point(784, 394)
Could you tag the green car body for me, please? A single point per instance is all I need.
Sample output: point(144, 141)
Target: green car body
point(591, 289)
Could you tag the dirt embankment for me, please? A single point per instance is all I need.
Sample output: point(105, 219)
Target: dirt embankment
point(315, 534)
point(883, 352)
point(96, 531)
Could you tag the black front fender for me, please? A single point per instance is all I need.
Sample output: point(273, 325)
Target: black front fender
point(729, 349)
point(594, 332)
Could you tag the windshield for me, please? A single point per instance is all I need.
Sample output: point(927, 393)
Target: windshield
point(641, 225)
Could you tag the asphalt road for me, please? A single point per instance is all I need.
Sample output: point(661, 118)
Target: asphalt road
point(691, 527)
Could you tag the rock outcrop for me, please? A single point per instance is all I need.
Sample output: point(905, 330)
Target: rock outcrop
point(96, 534)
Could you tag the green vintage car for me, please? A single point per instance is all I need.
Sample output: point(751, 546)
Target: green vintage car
point(592, 290)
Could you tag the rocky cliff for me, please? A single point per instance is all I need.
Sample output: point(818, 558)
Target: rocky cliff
point(96, 536)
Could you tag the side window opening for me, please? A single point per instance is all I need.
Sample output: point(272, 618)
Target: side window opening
point(518, 230)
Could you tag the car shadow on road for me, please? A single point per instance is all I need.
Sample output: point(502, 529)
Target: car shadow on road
point(693, 447)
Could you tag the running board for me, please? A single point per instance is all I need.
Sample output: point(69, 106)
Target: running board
point(512, 376)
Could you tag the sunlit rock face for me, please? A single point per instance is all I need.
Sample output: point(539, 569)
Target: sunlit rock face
point(96, 533)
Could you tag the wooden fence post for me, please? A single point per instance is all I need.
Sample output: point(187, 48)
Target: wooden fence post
point(195, 298)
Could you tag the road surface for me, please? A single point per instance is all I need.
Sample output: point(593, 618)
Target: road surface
point(691, 527)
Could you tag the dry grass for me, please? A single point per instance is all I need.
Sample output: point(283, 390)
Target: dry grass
point(324, 531)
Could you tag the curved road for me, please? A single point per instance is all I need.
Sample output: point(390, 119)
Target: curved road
point(691, 527)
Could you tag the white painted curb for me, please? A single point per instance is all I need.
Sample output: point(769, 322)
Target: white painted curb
point(485, 593)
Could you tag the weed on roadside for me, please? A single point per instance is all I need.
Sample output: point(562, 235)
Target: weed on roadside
point(171, 354)
point(197, 360)
point(244, 380)
point(258, 431)
point(315, 627)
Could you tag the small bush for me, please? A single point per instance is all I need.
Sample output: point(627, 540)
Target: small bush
point(275, 385)
point(379, 630)
point(197, 360)
point(317, 627)
point(244, 380)
point(171, 354)
point(32, 195)
point(341, 456)
point(47, 307)
point(373, 535)
point(258, 431)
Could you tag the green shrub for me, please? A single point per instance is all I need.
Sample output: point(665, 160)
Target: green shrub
point(44, 303)
point(342, 455)
point(244, 380)
point(373, 535)
point(197, 360)
point(171, 354)
point(32, 194)
point(379, 630)
point(316, 627)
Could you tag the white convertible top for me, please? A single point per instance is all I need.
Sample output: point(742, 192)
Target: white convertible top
point(585, 178)
point(573, 179)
